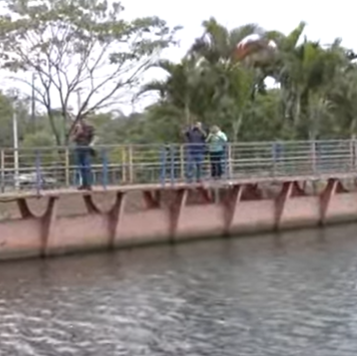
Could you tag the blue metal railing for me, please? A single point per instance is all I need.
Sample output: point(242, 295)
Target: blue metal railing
point(169, 164)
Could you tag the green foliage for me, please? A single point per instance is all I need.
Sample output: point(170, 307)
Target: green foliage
point(316, 86)
point(38, 139)
point(79, 46)
point(315, 97)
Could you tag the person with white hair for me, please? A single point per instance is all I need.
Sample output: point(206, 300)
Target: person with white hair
point(217, 141)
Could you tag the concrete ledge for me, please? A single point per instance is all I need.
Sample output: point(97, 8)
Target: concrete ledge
point(180, 213)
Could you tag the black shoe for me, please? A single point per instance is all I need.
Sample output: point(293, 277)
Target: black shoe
point(85, 187)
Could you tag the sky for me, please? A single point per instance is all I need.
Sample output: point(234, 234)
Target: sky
point(325, 21)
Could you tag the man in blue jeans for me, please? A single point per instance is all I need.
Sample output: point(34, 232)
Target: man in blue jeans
point(83, 136)
point(196, 149)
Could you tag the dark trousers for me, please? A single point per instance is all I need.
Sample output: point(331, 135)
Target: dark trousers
point(84, 164)
point(194, 164)
point(216, 159)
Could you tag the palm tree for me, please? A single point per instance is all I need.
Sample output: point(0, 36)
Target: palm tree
point(341, 96)
point(232, 84)
point(179, 88)
point(210, 85)
point(303, 70)
point(217, 44)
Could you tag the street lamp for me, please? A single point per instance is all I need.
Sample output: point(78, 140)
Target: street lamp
point(33, 103)
point(15, 134)
point(78, 91)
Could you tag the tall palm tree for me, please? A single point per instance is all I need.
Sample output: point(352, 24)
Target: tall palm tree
point(217, 43)
point(179, 88)
point(232, 83)
point(303, 68)
point(341, 96)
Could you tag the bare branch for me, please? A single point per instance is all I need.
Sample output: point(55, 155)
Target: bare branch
point(76, 44)
point(43, 97)
point(116, 87)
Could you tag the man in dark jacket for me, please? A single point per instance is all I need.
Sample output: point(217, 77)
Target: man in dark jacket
point(83, 136)
point(196, 147)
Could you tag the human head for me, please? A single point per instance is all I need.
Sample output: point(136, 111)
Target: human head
point(82, 121)
point(197, 125)
point(215, 129)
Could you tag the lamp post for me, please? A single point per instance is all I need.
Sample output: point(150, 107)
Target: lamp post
point(15, 135)
point(33, 103)
point(79, 99)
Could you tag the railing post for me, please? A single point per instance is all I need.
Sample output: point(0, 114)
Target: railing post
point(275, 153)
point(229, 161)
point(77, 169)
point(2, 169)
point(224, 162)
point(172, 164)
point(353, 153)
point(66, 167)
point(189, 170)
point(182, 162)
point(163, 158)
point(313, 157)
point(16, 168)
point(104, 168)
point(130, 164)
point(38, 172)
point(123, 165)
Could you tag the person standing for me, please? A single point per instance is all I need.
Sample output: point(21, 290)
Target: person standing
point(83, 137)
point(217, 141)
point(196, 149)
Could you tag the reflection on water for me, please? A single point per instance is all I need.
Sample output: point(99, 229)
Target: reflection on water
point(292, 294)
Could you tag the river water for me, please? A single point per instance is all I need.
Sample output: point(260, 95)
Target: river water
point(288, 294)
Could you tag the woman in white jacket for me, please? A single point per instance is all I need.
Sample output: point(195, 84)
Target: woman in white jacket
point(217, 141)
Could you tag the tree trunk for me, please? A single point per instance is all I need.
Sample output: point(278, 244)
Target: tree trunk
point(236, 127)
point(187, 113)
point(54, 128)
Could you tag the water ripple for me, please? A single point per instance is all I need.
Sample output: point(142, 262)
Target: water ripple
point(292, 294)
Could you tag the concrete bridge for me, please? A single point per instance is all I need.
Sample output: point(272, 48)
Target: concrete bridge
point(142, 196)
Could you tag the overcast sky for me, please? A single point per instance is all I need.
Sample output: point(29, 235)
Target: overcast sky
point(326, 20)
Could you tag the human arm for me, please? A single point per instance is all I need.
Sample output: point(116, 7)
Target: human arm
point(186, 134)
point(92, 139)
point(76, 131)
point(222, 136)
point(203, 133)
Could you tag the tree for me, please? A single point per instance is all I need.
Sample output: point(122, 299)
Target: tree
point(180, 89)
point(9, 103)
point(341, 97)
point(79, 48)
point(217, 43)
point(233, 84)
point(316, 96)
point(38, 139)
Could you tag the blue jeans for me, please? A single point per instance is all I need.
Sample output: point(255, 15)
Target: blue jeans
point(84, 164)
point(217, 164)
point(194, 164)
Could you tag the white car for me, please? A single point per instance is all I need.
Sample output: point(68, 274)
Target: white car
point(30, 180)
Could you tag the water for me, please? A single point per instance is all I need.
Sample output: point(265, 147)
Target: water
point(293, 294)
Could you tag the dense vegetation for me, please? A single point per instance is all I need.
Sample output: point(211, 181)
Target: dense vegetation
point(85, 49)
